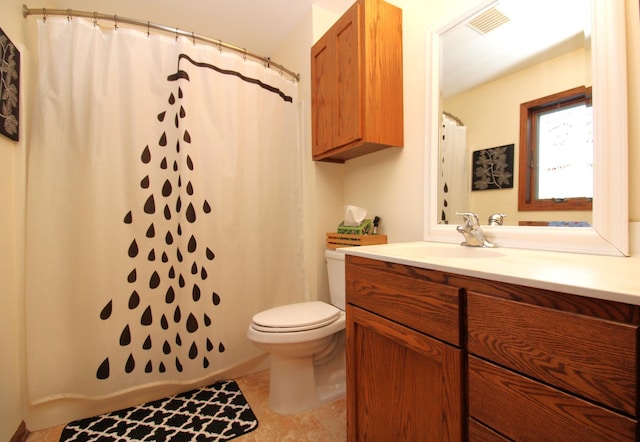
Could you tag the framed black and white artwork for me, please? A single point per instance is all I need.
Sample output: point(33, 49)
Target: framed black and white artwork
point(493, 168)
point(9, 88)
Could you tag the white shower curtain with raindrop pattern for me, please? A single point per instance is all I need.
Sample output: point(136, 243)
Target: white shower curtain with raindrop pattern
point(164, 210)
point(454, 182)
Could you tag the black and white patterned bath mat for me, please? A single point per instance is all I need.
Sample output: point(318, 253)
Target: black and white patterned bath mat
point(214, 413)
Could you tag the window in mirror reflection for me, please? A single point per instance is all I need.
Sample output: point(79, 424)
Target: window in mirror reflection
point(556, 152)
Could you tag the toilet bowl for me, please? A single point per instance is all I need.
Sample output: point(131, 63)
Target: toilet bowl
point(306, 343)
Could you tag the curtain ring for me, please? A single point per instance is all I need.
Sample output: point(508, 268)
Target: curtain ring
point(44, 15)
point(148, 29)
point(115, 22)
point(68, 14)
point(244, 55)
point(193, 37)
point(220, 46)
point(176, 34)
point(95, 19)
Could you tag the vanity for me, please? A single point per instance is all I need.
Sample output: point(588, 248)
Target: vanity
point(457, 343)
point(534, 340)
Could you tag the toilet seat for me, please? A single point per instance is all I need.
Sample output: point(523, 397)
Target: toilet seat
point(296, 317)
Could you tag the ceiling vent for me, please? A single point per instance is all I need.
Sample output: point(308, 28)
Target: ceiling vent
point(488, 21)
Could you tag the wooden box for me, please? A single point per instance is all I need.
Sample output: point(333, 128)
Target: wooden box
point(335, 240)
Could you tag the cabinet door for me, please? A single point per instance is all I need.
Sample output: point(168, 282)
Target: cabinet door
point(322, 94)
point(336, 92)
point(401, 385)
point(348, 114)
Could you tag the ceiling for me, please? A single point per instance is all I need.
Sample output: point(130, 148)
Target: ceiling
point(260, 26)
point(536, 30)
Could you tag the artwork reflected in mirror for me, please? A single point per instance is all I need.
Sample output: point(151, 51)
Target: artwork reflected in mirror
point(493, 168)
point(492, 63)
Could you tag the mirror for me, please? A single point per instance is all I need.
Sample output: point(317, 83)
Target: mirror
point(481, 97)
point(608, 233)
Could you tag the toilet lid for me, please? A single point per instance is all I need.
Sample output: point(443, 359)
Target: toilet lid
point(296, 317)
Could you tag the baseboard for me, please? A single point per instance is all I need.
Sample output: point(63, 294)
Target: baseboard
point(21, 433)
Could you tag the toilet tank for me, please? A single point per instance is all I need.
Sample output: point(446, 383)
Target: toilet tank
point(335, 268)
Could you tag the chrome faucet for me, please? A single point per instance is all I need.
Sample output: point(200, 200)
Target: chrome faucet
point(473, 235)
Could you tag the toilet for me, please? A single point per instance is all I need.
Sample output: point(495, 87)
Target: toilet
point(306, 343)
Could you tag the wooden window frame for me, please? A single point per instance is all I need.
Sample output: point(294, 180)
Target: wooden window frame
point(527, 149)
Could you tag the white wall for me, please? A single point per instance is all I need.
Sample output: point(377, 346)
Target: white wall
point(388, 183)
point(633, 76)
point(12, 188)
point(323, 193)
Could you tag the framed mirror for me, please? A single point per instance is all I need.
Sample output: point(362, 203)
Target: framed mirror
point(607, 233)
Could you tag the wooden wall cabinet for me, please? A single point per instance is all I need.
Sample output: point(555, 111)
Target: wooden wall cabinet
point(356, 83)
point(440, 356)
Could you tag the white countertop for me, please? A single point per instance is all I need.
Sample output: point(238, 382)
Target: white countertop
point(603, 277)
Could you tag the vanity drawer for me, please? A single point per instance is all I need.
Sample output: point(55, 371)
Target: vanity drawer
point(430, 308)
point(591, 357)
point(525, 410)
point(479, 433)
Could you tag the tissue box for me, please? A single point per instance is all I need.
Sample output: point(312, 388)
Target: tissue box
point(363, 229)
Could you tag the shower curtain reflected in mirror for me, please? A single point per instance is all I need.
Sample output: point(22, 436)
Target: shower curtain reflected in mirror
point(164, 210)
point(454, 180)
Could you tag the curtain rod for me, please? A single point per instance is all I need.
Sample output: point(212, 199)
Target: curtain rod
point(131, 21)
point(454, 118)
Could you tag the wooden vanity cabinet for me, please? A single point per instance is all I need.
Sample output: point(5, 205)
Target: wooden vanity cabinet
point(356, 83)
point(405, 365)
point(551, 366)
point(441, 356)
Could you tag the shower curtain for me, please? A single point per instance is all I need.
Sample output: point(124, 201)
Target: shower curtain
point(454, 183)
point(164, 210)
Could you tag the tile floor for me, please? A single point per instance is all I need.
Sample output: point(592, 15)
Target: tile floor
point(324, 424)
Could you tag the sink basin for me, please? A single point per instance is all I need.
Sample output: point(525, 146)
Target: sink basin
point(430, 251)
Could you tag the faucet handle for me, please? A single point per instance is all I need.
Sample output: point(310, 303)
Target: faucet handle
point(471, 219)
point(496, 219)
point(472, 232)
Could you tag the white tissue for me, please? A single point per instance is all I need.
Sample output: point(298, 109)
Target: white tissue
point(354, 215)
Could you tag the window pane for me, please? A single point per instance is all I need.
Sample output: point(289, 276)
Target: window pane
point(565, 153)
